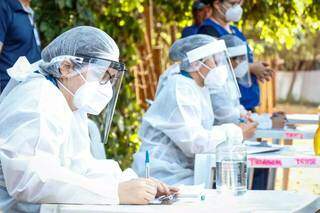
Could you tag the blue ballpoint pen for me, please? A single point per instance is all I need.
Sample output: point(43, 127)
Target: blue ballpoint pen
point(147, 164)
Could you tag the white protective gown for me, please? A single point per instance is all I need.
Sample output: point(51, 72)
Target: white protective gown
point(228, 110)
point(225, 108)
point(45, 152)
point(178, 125)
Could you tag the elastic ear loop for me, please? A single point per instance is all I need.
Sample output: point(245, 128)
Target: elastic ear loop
point(67, 88)
point(206, 66)
point(201, 75)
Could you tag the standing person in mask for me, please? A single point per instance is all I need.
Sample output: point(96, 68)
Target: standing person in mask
point(199, 13)
point(179, 123)
point(18, 36)
point(223, 13)
point(44, 142)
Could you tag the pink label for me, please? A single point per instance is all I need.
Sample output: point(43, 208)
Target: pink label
point(293, 135)
point(265, 162)
point(306, 161)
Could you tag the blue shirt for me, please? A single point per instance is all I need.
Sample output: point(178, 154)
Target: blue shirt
point(18, 36)
point(188, 31)
point(250, 96)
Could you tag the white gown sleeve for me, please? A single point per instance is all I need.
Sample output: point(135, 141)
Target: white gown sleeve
point(34, 170)
point(225, 109)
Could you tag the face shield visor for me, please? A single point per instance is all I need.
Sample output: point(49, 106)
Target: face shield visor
point(104, 71)
point(240, 64)
point(220, 78)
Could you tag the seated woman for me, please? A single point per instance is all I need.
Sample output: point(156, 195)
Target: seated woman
point(44, 142)
point(227, 109)
point(179, 123)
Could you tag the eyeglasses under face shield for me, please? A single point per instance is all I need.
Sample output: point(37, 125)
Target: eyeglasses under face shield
point(102, 70)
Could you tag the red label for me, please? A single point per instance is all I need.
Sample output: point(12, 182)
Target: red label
point(265, 162)
point(306, 161)
point(293, 135)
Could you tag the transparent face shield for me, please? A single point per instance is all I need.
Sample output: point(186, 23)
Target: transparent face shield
point(104, 71)
point(240, 64)
point(220, 77)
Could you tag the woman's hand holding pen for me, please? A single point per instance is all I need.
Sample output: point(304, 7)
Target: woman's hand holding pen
point(143, 190)
point(163, 189)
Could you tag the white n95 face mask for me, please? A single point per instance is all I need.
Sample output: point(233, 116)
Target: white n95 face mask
point(234, 13)
point(242, 69)
point(93, 97)
point(216, 77)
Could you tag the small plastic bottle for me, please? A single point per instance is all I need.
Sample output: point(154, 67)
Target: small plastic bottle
point(231, 167)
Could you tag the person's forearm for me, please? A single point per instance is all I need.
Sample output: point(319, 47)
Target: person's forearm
point(252, 69)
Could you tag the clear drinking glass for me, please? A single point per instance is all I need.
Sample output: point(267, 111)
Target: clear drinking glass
point(231, 169)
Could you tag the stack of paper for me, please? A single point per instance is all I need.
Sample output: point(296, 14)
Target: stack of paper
point(254, 147)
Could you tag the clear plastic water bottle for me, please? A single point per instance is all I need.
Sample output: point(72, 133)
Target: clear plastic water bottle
point(231, 167)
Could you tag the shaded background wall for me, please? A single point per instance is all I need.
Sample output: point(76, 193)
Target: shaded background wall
point(302, 87)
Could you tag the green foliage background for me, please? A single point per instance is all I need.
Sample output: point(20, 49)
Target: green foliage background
point(273, 28)
point(288, 29)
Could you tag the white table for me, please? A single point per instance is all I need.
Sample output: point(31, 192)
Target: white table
point(288, 157)
point(252, 201)
point(289, 134)
point(304, 132)
point(302, 118)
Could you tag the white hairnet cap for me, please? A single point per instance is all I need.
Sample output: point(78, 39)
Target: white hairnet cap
point(84, 40)
point(179, 49)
